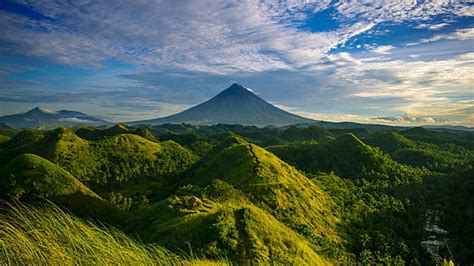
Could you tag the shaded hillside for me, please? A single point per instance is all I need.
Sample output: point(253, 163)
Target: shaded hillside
point(347, 156)
point(420, 154)
point(29, 177)
point(390, 142)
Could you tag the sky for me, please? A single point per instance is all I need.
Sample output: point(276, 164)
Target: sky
point(397, 62)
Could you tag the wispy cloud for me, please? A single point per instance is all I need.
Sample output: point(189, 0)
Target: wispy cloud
point(437, 26)
point(382, 49)
point(406, 118)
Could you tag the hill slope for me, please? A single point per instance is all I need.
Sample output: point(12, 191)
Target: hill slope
point(269, 183)
point(235, 105)
point(347, 156)
point(29, 176)
point(244, 202)
point(126, 164)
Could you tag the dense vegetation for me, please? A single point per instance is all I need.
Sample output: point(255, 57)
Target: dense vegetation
point(290, 195)
point(47, 235)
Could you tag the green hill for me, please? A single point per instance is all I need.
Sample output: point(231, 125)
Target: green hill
point(243, 233)
point(242, 201)
point(31, 174)
point(444, 158)
point(98, 133)
point(28, 177)
point(91, 133)
point(118, 158)
point(295, 134)
point(347, 156)
point(224, 223)
point(269, 183)
point(4, 138)
point(390, 141)
point(130, 166)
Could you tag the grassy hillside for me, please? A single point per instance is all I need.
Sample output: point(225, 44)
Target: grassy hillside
point(269, 183)
point(29, 177)
point(218, 220)
point(4, 138)
point(31, 174)
point(244, 202)
point(47, 235)
point(116, 162)
point(90, 133)
point(347, 156)
point(439, 158)
point(390, 142)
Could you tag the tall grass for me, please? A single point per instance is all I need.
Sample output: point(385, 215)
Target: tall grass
point(47, 235)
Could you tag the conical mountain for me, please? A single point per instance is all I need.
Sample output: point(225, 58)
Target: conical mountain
point(235, 105)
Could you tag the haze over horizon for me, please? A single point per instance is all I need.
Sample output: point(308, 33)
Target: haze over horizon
point(403, 63)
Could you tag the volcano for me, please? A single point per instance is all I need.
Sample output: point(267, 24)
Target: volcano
point(234, 105)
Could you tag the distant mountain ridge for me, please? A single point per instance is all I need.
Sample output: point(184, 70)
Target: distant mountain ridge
point(40, 117)
point(234, 105)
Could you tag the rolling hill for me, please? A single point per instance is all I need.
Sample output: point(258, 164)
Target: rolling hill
point(347, 156)
point(244, 202)
point(130, 166)
point(29, 177)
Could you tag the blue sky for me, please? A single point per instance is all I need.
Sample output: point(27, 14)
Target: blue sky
point(398, 62)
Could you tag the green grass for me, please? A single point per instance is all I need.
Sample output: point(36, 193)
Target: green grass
point(46, 235)
point(269, 183)
point(238, 230)
point(347, 156)
point(248, 200)
point(31, 174)
point(112, 160)
point(4, 138)
point(29, 177)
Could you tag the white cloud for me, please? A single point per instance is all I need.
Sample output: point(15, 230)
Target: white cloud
point(382, 49)
point(406, 118)
point(77, 120)
point(459, 34)
point(467, 11)
point(379, 11)
point(437, 26)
